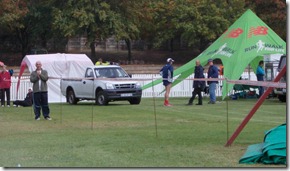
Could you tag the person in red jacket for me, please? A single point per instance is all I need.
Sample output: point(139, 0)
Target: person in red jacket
point(5, 84)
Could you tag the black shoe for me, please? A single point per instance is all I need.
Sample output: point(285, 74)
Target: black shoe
point(198, 104)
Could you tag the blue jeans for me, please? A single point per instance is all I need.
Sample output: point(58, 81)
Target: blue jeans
point(261, 91)
point(212, 87)
point(40, 101)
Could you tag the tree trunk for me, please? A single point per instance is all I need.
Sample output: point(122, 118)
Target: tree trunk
point(43, 40)
point(203, 44)
point(91, 38)
point(128, 43)
point(23, 39)
point(93, 50)
point(171, 45)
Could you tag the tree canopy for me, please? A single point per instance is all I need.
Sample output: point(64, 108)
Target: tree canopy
point(194, 22)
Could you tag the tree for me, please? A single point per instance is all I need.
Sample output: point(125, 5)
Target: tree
point(196, 21)
point(29, 20)
point(165, 21)
point(127, 24)
point(12, 14)
point(206, 22)
point(91, 17)
point(41, 19)
point(273, 13)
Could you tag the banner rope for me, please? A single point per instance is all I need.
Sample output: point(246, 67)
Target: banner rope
point(241, 82)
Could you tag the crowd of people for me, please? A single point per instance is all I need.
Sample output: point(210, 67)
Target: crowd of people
point(199, 85)
point(5, 86)
point(37, 96)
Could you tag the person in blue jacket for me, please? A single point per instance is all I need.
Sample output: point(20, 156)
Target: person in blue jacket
point(260, 76)
point(198, 85)
point(167, 75)
point(213, 72)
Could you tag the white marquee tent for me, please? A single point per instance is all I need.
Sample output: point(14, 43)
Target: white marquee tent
point(58, 66)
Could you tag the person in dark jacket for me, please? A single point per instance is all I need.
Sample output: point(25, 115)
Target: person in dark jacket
point(26, 102)
point(213, 72)
point(39, 79)
point(167, 75)
point(198, 85)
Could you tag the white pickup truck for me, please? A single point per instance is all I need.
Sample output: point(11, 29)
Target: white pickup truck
point(104, 83)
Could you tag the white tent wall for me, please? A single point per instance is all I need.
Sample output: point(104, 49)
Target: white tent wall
point(59, 66)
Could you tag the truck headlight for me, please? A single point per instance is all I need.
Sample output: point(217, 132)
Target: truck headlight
point(110, 86)
point(138, 85)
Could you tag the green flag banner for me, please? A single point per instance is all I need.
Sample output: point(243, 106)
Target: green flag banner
point(243, 43)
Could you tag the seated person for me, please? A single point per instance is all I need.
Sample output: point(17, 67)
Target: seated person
point(28, 101)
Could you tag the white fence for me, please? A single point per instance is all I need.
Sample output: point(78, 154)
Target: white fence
point(183, 89)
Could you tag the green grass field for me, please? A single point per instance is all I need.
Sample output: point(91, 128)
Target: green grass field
point(145, 135)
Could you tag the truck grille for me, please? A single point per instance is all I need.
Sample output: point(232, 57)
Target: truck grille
point(124, 86)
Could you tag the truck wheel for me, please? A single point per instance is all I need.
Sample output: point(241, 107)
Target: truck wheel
point(135, 101)
point(282, 98)
point(102, 98)
point(71, 98)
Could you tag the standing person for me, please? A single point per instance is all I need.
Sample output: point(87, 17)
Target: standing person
point(100, 62)
point(198, 85)
point(167, 75)
point(26, 102)
point(260, 76)
point(213, 72)
point(5, 81)
point(39, 78)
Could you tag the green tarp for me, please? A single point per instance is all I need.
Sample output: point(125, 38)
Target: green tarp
point(245, 42)
point(271, 151)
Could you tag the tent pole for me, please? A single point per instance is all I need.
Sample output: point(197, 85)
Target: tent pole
point(227, 100)
point(92, 122)
point(60, 98)
point(154, 108)
point(249, 71)
point(255, 108)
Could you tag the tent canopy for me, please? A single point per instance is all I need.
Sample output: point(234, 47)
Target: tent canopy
point(245, 42)
point(58, 66)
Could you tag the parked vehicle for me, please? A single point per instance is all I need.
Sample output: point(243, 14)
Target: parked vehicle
point(103, 84)
point(281, 92)
point(271, 62)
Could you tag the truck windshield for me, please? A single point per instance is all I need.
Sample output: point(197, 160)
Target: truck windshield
point(110, 72)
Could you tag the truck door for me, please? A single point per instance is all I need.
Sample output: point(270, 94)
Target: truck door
point(88, 84)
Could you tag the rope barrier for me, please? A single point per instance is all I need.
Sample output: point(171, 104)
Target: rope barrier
point(242, 82)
